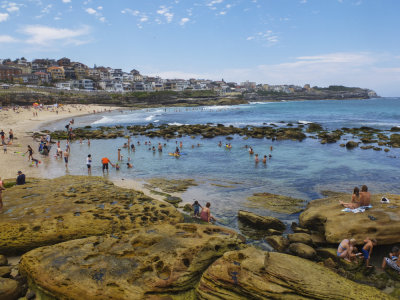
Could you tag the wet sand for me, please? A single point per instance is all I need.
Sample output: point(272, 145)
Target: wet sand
point(24, 123)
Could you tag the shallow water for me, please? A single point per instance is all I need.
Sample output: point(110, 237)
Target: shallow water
point(298, 169)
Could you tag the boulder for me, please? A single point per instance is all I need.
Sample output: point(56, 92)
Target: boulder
point(276, 203)
point(45, 212)
point(302, 250)
point(255, 274)
point(326, 216)
point(5, 271)
point(9, 289)
point(300, 238)
point(260, 222)
point(279, 243)
point(3, 259)
point(328, 253)
point(147, 263)
point(351, 144)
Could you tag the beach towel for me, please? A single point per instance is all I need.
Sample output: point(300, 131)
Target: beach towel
point(360, 209)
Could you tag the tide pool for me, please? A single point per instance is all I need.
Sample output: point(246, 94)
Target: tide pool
point(227, 177)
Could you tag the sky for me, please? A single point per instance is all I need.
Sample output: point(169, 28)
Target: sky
point(320, 42)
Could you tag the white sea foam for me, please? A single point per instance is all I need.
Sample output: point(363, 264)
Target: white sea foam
point(149, 118)
point(305, 122)
point(175, 123)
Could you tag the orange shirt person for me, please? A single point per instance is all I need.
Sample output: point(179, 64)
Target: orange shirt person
point(105, 162)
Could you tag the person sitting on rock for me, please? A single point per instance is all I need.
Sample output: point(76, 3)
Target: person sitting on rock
point(355, 199)
point(345, 249)
point(205, 214)
point(365, 196)
point(392, 261)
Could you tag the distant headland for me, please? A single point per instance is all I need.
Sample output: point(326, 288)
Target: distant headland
point(50, 81)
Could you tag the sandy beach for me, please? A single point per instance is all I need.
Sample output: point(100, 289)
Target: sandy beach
point(23, 122)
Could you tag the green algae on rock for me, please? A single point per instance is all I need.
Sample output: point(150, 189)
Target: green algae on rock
point(326, 216)
point(45, 212)
point(171, 185)
point(148, 263)
point(276, 203)
point(255, 274)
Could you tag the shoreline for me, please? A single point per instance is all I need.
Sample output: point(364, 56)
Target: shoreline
point(22, 122)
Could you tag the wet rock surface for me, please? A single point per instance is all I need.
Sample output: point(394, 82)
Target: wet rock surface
point(45, 212)
point(255, 274)
point(149, 263)
point(260, 222)
point(381, 222)
point(276, 203)
point(9, 289)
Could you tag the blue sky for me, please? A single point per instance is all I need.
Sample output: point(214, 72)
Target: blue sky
point(321, 42)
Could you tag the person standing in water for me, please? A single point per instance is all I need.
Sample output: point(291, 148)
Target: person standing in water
point(89, 164)
point(66, 157)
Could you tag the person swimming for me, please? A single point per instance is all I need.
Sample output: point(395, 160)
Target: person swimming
point(129, 165)
point(251, 151)
point(256, 160)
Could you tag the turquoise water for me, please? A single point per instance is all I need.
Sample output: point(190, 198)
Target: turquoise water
point(298, 169)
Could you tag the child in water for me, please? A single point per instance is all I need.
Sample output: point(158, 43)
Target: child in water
point(196, 206)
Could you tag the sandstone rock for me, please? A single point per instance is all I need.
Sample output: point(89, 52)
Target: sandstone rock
point(171, 185)
point(302, 250)
point(328, 253)
point(148, 263)
point(9, 289)
point(3, 260)
point(300, 238)
point(46, 212)
point(260, 222)
point(277, 242)
point(326, 216)
point(318, 238)
point(5, 271)
point(277, 203)
point(255, 274)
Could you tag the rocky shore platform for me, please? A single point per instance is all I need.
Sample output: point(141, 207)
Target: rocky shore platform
point(84, 238)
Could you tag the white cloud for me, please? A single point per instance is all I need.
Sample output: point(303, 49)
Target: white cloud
point(214, 2)
point(131, 12)
point(268, 37)
point(184, 21)
point(4, 17)
point(144, 19)
point(165, 11)
point(7, 39)
point(100, 7)
point(45, 36)
point(66, 1)
point(91, 11)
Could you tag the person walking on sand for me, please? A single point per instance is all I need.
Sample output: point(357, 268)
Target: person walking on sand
point(345, 249)
point(89, 164)
point(367, 250)
point(2, 135)
point(30, 150)
point(11, 135)
point(2, 188)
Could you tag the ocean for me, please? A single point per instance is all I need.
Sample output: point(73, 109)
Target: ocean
point(226, 177)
